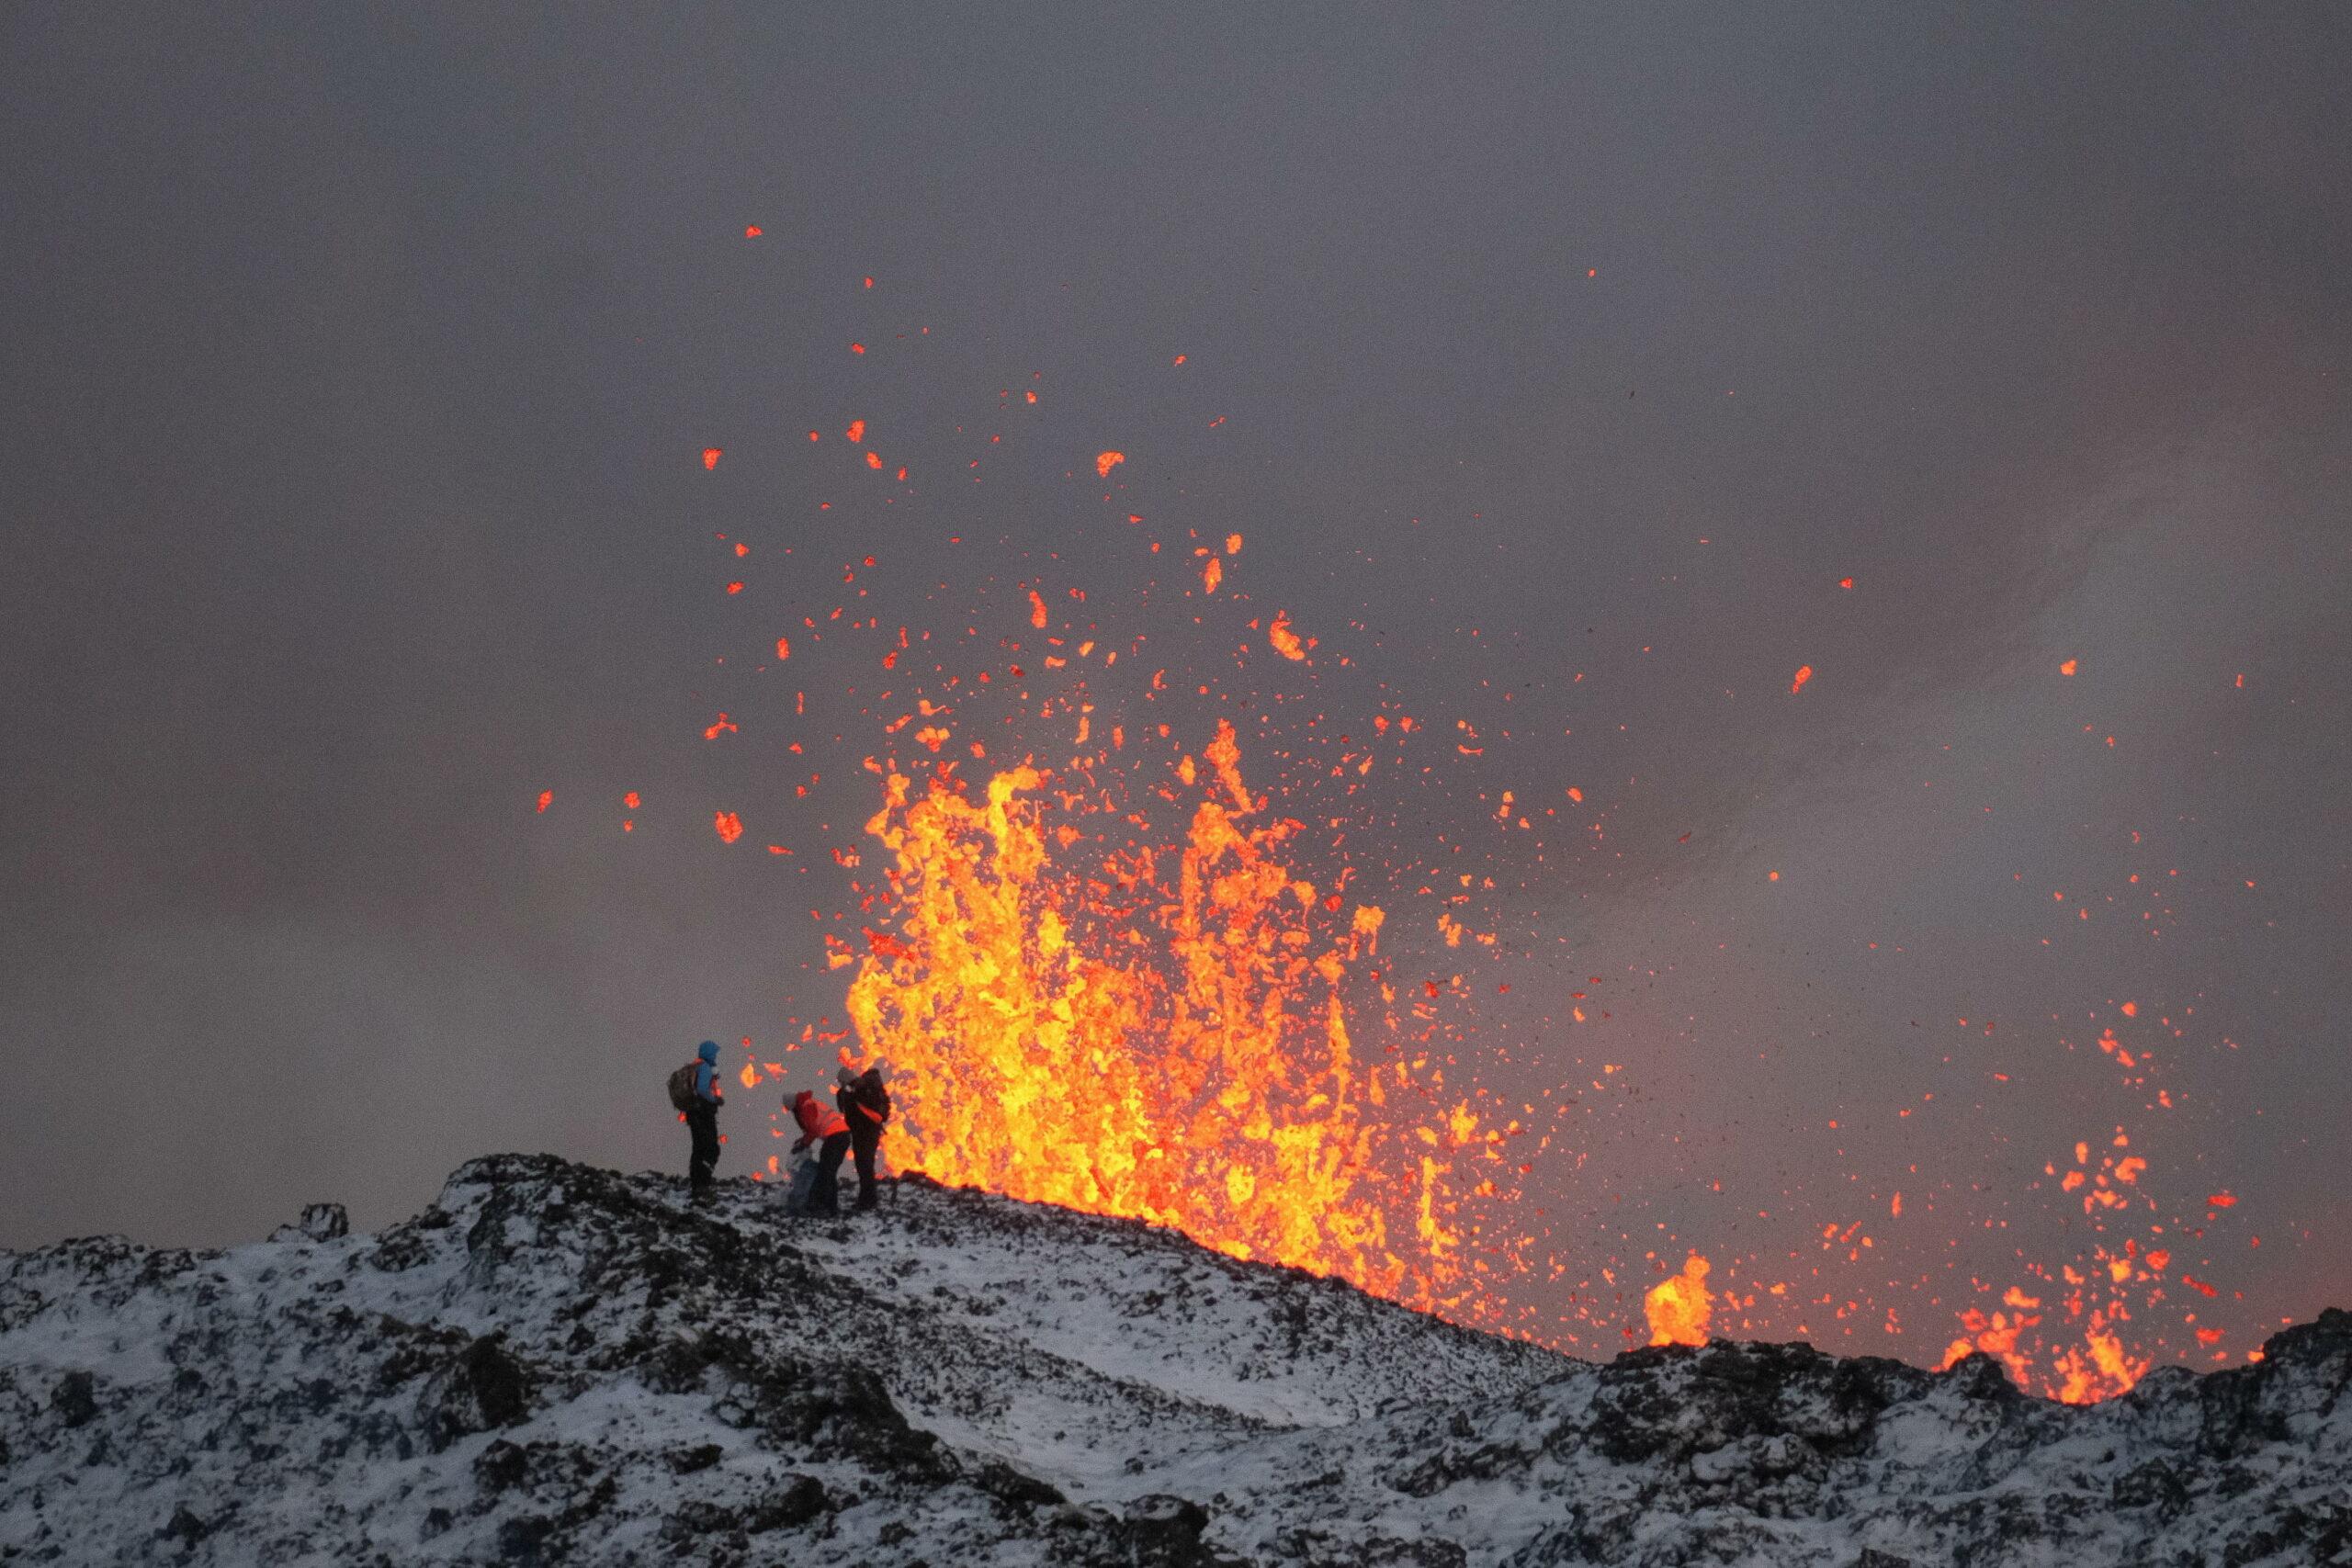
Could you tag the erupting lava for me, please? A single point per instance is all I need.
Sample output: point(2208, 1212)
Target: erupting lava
point(1161, 1037)
point(1161, 996)
point(1681, 1306)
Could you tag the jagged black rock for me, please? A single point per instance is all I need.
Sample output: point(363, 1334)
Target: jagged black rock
point(561, 1364)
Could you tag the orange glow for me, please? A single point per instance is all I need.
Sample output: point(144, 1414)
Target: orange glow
point(1105, 461)
point(1285, 640)
point(730, 827)
point(1161, 1035)
point(1804, 673)
point(1211, 575)
point(630, 800)
point(856, 431)
point(1681, 1306)
point(782, 648)
point(547, 798)
point(751, 230)
point(2100, 1371)
point(711, 456)
point(2067, 668)
point(1036, 609)
point(1233, 544)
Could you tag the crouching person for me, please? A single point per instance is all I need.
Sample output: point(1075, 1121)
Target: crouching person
point(827, 1131)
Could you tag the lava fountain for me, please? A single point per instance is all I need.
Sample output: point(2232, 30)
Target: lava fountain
point(1159, 1034)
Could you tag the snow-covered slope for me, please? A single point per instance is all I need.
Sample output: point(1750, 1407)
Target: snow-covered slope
point(561, 1364)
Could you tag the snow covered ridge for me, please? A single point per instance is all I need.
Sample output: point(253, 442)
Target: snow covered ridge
point(560, 1364)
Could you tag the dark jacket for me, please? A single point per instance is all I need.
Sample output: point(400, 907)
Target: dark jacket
point(864, 1103)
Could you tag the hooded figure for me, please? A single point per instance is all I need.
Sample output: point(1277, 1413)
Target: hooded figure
point(866, 1105)
point(702, 1121)
point(830, 1131)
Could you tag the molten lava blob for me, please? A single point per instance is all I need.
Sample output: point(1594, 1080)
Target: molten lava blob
point(1159, 1035)
point(1681, 1306)
point(1285, 640)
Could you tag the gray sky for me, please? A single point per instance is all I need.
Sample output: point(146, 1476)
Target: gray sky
point(356, 363)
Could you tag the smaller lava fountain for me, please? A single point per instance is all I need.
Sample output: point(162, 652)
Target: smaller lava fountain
point(1681, 1306)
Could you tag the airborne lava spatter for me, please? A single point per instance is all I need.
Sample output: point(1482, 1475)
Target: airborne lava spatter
point(1232, 1025)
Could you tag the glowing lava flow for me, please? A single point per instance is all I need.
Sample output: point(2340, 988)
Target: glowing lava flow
point(1156, 1040)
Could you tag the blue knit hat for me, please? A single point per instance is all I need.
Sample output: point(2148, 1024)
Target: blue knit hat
point(709, 1050)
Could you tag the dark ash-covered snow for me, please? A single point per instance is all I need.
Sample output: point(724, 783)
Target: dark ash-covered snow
point(561, 1364)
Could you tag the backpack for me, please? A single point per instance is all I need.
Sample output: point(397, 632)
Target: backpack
point(681, 1087)
point(866, 1093)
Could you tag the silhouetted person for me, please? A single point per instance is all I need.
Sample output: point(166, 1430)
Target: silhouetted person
point(703, 1101)
point(825, 1127)
point(866, 1105)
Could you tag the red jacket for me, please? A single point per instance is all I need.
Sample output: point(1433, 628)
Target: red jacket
point(818, 1121)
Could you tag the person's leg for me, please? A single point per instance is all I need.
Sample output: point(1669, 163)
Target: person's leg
point(864, 1142)
point(829, 1174)
point(704, 1124)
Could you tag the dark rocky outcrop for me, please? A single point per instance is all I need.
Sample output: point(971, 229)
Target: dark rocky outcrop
point(561, 1364)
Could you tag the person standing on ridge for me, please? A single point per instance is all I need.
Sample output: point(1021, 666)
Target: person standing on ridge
point(866, 1105)
point(826, 1128)
point(694, 1090)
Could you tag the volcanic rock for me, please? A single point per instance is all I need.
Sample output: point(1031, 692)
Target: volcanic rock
point(560, 1364)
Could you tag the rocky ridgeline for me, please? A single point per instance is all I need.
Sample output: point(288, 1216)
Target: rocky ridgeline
point(561, 1364)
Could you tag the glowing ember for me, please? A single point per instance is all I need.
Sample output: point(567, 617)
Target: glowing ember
point(1681, 1306)
point(711, 456)
point(1105, 461)
point(1804, 673)
point(1161, 1036)
point(730, 827)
